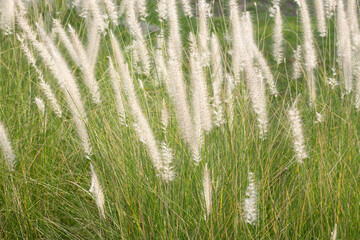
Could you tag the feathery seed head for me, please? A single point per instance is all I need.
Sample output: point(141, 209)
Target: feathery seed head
point(278, 37)
point(320, 17)
point(115, 80)
point(297, 63)
point(273, 9)
point(229, 100)
point(297, 132)
point(162, 10)
point(187, 8)
point(237, 42)
point(160, 63)
point(86, 67)
point(330, 6)
point(141, 123)
point(203, 39)
point(7, 16)
point(40, 104)
point(51, 98)
point(58, 66)
point(93, 42)
point(199, 87)
point(319, 118)
point(252, 53)
point(43, 85)
point(207, 186)
point(344, 47)
point(141, 8)
point(7, 148)
point(334, 232)
point(167, 170)
point(164, 116)
point(309, 49)
point(66, 41)
point(251, 201)
point(353, 23)
point(97, 15)
point(177, 83)
point(217, 74)
point(137, 33)
point(111, 9)
point(97, 191)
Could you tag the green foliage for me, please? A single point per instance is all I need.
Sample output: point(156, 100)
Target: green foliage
point(47, 195)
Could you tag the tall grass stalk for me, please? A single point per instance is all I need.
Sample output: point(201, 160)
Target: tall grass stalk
point(254, 54)
point(85, 64)
point(309, 49)
point(199, 88)
point(145, 132)
point(115, 80)
point(139, 39)
point(320, 17)
point(217, 73)
point(42, 84)
point(297, 132)
point(156, 170)
point(278, 37)
point(344, 47)
point(54, 60)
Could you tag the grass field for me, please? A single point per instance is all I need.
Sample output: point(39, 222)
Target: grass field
point(46, 195)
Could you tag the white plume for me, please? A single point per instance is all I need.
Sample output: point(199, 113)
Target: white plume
point(297, 132)
point(320, 17)
point(97, 192)
point(278, 37)
point(187, 8)
point(115, 80)
point(218, 80)
point(167, 169)
point(251, 201)
point(297, 63)
point(199, 87)
point(207, 186)
point(344, 50)
point(7, 148)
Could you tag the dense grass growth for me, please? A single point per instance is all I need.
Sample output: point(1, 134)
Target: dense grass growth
point(47, 194)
